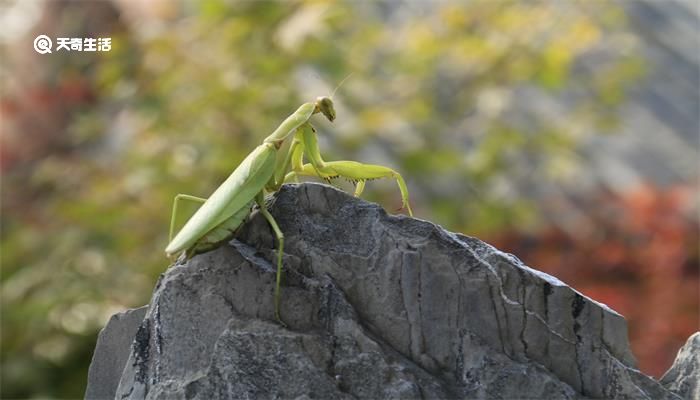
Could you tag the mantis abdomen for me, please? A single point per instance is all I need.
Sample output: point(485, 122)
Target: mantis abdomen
point(230, 199)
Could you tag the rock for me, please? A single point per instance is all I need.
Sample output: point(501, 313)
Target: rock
point(684, 374)
point(111, 353)
point(376, 306)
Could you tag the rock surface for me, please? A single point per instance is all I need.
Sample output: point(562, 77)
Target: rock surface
point(376, 306)
point(684, 374)
point(111, 353)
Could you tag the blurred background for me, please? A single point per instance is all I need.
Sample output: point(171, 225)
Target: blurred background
point(564, 132)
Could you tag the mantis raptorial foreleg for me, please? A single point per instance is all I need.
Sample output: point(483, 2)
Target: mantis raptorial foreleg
point(174, 212)
point(352, 170)
point(359, 187)
point(294, 155)
point(356, 172)
point(260, 199)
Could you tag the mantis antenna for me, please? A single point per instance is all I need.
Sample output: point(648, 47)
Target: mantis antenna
point(341, 84)
point(318, 173)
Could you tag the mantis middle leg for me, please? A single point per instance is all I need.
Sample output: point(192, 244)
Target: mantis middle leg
point(260, 199)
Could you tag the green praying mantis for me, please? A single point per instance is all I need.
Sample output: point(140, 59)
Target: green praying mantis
point(263, 172)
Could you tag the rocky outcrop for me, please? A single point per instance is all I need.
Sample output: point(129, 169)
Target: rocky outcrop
point(684, 374)
point(375, 306)
point(111, 353)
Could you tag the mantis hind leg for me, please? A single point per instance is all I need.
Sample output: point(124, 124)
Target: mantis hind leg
point(260, 199)
point(358, 173)
point(174, 213)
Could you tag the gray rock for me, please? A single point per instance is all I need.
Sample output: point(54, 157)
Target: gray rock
point(111, 353)
point(684, 375)
point(376, 306)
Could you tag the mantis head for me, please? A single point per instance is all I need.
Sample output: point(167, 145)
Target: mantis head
point(324, 105)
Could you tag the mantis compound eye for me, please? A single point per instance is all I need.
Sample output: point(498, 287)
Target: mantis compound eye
point(325, 106)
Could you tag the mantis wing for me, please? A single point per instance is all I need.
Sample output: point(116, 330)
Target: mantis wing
point(234, 194)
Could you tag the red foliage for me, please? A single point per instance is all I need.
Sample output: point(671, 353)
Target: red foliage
point(36, 116)
point(641, 258)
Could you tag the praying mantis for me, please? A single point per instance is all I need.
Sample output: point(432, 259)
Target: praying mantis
point(263, 172)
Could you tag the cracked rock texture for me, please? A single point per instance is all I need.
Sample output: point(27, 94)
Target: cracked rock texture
point(376, 306)
point(684, 374)
point(111, 353)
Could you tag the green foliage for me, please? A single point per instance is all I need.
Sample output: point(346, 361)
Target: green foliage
point(436, 93)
